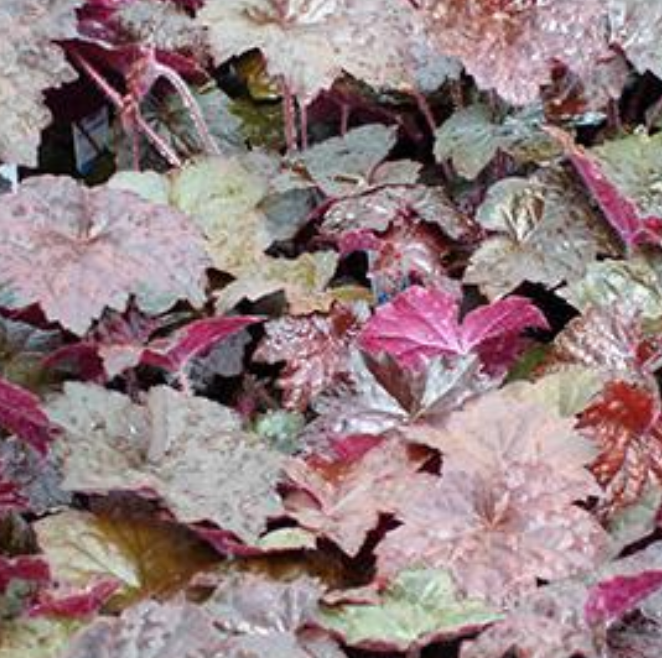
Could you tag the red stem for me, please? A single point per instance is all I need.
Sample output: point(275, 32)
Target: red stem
point(121, 104)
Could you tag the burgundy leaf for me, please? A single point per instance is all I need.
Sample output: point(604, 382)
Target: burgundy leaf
point(21, 413)
point(422, 323)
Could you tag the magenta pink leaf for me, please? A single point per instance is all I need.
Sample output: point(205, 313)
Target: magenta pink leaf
point(21, 413)
point(195, 339)
point(74, 604)
point(423, 323)
point(611, 599)
point(25, 567)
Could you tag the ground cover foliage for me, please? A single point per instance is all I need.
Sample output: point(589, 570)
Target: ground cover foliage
point(340, 338)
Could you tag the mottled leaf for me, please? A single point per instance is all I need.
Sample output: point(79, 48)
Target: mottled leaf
point(497, 532)
point(36, 638)
point(343, 165)
point(32, 63)
point(541, 232)
point(511, 47)
point(634, 286)
point(635, 27)
point(376, 209)
point(260, 617)
point(343, 501)
point(626, 427)
point(189, 451)
point(77, 251)
point(315, 349)
point(380, 396)
point(505, 427)
point(149, 630)
point(311, 44)
point(470, 138)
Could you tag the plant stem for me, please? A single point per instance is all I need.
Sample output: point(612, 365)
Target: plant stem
point(289, 117)
point(191, 104)
point(121, 104)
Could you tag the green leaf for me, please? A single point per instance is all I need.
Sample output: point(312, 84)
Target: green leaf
point(35, 638)
point(471, 139)
point(419, 606)
point(632, 286)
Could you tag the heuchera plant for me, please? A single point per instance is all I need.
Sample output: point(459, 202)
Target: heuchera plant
point(330, 329)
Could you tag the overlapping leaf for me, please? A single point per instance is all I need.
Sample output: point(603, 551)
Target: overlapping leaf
point(543, 232)
point(633, 286)
point(141, 557)
point(507, 465)
point(190, 452)
point(419, 606)
point(421, 323)
point(343, 501)
point(471, 139)
point(311, 44)
point(511, 46)
point(315, 349)
point(625, 425)
point(76, 252)
point(257, 616)
point(32, 63)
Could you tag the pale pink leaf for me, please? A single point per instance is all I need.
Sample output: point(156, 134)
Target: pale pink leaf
point(343, 501)
point(31, 63)
point(77, 251)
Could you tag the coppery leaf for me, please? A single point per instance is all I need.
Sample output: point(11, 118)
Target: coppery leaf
point(343, 500)
point(625, 424)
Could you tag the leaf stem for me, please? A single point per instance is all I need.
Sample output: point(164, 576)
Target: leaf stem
point(123, 105)
point(192, 106)
point(289, 117)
